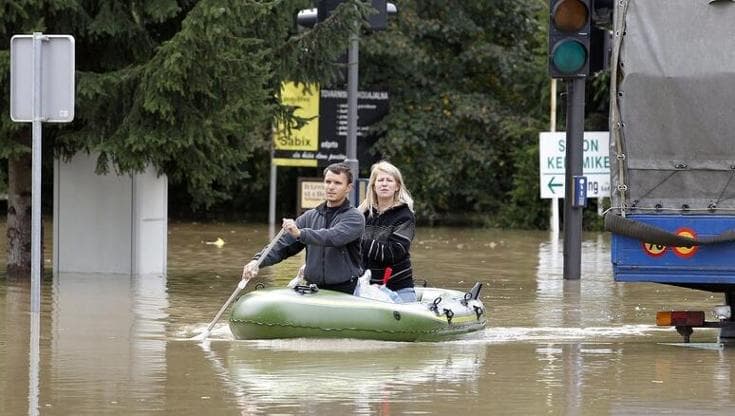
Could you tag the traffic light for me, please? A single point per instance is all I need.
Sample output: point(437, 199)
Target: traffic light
point(601, 36)
point(377, 21)
point(325, 7)
point(310, 17)
point(600, 49)
point(569, 38)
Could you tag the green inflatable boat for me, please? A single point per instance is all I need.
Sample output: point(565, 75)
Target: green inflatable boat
point(307, 312)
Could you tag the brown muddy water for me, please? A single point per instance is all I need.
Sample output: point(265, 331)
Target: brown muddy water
point(117, 345)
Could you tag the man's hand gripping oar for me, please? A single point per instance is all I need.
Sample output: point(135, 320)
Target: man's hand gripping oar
point(240, 286)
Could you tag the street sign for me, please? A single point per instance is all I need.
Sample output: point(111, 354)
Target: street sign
point(41, 90)
point(311, 192)
point(580, 192)
point(323, 140)
point(372, 106)
point(57, 78)
point(298, 148)
point(596, 163)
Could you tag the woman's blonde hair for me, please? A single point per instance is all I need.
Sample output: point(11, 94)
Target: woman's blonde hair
point(402, 195)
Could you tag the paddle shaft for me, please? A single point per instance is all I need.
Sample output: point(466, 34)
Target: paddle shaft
point(241, 285)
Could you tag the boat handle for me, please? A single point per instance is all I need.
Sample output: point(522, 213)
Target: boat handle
point(478, 311)
point(466, 298)
point(450, 314)
point(303, 289)
point(435, 305)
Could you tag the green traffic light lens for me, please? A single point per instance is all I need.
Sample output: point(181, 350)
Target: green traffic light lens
point(569, 56)
point(570, 15)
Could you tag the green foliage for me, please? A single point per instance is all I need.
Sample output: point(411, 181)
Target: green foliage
point(463, 79)
point(189, 109)
point(186, 86)
point(191, 86)
point(307, 56)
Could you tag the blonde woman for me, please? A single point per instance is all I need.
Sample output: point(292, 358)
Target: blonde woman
point(390, 226)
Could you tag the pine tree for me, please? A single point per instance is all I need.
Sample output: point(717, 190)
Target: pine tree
point(186, 86)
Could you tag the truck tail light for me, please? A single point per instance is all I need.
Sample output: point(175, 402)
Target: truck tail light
point(680, 318)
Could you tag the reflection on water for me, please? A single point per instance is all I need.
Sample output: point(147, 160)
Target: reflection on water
point(108, 330)
point(112, 344)
point(369, 375)
point(281, 376)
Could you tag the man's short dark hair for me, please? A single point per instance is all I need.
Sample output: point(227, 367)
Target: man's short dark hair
point(338, 168)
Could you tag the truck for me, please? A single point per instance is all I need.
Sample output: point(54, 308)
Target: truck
point(672, 151)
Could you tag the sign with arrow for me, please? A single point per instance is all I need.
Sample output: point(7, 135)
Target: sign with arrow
point(596, 163)
point(553, 184)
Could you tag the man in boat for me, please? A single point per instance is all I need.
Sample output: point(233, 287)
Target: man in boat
point(330, 233)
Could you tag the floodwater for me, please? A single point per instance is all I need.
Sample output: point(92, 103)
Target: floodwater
point(117, 345)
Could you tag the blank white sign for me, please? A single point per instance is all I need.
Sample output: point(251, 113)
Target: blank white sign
point(57, 78)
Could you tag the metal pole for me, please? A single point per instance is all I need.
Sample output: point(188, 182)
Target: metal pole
point(352, 78)
point(552, 127)
point(272, 195)
point(574, 160)
point(34, 360)
point(36, 177)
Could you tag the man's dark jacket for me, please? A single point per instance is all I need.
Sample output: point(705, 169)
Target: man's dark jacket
point(332, 250)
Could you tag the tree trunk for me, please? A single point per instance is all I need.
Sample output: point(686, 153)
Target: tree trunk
point(19, 217)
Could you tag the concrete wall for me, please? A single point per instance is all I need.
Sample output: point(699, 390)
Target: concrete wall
point(108, 224)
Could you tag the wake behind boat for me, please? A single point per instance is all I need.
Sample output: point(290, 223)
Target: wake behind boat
point(308, 312)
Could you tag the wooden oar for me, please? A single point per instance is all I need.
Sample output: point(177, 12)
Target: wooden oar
point(240, 287)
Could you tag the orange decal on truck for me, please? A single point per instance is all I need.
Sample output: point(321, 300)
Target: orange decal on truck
point(654, 250)
point(687, 251)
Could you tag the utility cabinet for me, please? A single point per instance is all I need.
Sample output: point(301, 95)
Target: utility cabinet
point(108, 223)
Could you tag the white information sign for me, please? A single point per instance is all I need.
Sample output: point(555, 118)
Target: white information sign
point(596, 163)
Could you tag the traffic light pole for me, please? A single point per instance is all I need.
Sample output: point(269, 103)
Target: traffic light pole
point(574, 161)
point(378, 21)
point(352, 78)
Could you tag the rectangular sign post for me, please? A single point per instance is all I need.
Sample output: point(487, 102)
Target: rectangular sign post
point(297, 146)
point(56, 70)
point(311, 192)
point(41, 90)
point(595, 163)
point(323, 139)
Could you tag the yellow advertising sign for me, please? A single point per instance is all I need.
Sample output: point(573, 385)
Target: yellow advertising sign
point(284, 161)
point(306, 138)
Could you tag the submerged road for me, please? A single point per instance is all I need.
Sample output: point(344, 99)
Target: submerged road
point(119, 344)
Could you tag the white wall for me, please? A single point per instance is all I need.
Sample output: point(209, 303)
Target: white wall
point(108, 224)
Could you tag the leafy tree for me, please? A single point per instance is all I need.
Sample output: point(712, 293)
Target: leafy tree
point(466, 89)
point(187, 86)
